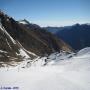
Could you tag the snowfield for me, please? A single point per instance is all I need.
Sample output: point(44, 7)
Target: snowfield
point(62, 72)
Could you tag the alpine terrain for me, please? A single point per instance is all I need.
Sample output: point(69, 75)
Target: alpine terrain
point(31, 58)
point(20, 40)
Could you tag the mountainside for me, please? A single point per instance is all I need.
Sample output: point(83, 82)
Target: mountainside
point(77, 36)
point(17, 38)
point(11, 51)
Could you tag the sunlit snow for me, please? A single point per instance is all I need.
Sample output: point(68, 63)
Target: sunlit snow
point(61, 73)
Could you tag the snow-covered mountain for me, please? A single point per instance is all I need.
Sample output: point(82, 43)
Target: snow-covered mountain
point(20, 41)
point(62, 72)
point(28, 24)
point(48, 63)
point(11, 50)
point(23, 21)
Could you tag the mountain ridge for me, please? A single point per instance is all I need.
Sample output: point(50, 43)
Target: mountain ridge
point(77, 35)
point(28, 39)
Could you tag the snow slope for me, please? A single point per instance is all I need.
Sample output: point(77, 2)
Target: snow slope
point(67, 74)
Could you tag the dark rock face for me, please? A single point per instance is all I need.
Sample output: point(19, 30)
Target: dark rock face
point(30, 36)
point(8, 49)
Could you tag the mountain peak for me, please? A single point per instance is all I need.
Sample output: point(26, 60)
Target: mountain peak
point(24, 21)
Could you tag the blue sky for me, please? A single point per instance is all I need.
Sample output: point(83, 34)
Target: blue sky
point(48, 12)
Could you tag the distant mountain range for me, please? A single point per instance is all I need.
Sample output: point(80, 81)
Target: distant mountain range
point(77, 36)
point(21, 39)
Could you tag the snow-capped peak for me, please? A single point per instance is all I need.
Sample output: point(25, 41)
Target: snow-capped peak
point(24, 21)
